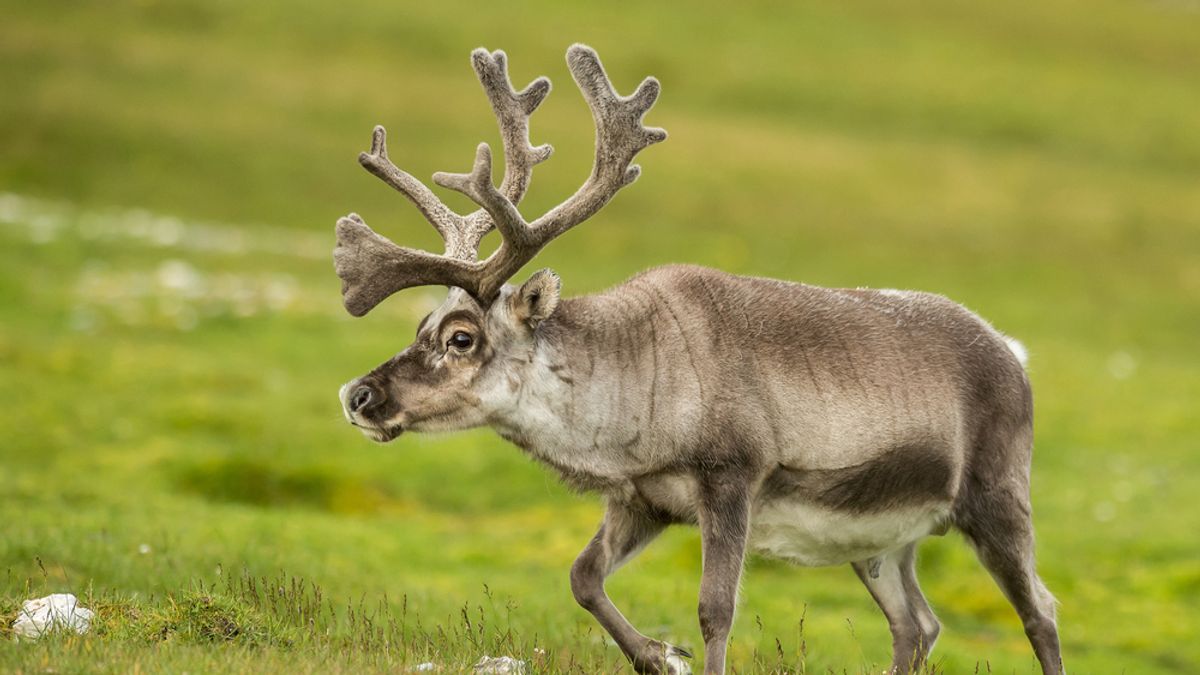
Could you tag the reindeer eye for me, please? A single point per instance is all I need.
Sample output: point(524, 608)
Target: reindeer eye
point(460, 340)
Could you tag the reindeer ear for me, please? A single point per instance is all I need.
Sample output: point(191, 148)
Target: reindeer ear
point(537, 298)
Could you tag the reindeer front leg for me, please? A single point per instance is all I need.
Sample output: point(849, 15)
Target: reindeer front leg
point(724, 514)
point(625, 531)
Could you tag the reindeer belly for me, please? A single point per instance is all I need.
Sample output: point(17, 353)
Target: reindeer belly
point(831, 516)
point(812, 535)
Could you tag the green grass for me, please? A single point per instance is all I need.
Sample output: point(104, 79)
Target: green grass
point(172, 383)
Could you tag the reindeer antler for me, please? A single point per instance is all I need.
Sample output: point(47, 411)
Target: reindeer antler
point(372, 267)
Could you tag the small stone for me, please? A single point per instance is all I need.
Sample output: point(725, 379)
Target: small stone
point(60, 611)
point(500, 665)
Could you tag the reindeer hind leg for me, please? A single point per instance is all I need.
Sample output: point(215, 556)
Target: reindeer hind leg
point(891, 579)
point(1002, 534)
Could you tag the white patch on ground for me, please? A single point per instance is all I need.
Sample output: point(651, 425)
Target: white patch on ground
point(813, 536)
point(178, 295)
point(45, 221)
point(60, 611)
point(186, 285)
point(499, 664)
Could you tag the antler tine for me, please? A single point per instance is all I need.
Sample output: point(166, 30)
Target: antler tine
point(620, 135)
point(513, 110)
point(371, 267)
point(478, 186)
point(446, 222)
point(619, 131)
point(519, 243)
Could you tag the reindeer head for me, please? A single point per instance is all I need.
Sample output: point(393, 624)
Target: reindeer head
point(470, 355)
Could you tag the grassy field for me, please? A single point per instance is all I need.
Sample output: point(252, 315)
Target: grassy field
point(171, 336)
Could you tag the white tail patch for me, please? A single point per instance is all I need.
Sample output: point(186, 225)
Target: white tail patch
point(1018, 350)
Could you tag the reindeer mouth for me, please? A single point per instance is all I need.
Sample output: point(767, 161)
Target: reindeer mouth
point(379, 434)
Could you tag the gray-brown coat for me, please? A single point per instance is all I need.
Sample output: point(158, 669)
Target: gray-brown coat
point(822, 426)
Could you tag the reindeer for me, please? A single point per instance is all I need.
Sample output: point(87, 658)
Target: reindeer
point(821, 426)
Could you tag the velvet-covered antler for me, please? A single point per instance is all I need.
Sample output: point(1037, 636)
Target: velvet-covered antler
point(372, 267)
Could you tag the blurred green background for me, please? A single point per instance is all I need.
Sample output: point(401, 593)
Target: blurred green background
point(172, 340)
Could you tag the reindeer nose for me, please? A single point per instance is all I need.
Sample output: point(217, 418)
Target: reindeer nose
point(363, 396)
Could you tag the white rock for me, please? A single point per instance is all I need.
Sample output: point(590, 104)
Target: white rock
point(60, 611)
point(500, 664)
point(428, 666)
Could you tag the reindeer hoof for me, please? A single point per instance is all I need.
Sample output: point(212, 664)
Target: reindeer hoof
point(675, 664)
